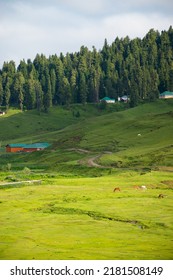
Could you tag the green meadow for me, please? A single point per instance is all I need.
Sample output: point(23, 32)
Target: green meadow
point(70, 211)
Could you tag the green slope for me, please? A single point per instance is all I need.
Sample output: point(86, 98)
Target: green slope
point(74, 213)
point(112, 137)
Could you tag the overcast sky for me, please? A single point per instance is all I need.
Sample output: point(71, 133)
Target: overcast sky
point(28, 27)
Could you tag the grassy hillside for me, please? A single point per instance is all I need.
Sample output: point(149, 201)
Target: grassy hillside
point(139, 137)
point(71, 211)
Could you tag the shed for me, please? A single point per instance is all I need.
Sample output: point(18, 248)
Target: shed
point(35, 147)
point(107, 100)
point(13, 148)
point(123, 98)
point(166, 95)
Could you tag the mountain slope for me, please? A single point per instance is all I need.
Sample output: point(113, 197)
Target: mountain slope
point(138, 137)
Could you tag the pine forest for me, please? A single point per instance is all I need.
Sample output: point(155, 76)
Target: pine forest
point(138, 68)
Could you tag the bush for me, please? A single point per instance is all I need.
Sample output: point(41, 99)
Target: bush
point(8, 166)
point(26, 171)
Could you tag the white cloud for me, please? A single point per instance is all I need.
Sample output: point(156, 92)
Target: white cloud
point(105, 7)
point(49, 27)
point(134, 24)
point(87, 7)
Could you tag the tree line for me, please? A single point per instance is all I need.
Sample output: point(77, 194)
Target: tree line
point(139, 68)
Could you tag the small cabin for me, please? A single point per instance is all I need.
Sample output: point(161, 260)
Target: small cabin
point(14, 148)
point(107, 100)
point(123, 99)
point(166, 95)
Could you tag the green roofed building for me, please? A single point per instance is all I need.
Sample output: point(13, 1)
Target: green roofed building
point(107, 100)
point(13, 148)
point(166, 95)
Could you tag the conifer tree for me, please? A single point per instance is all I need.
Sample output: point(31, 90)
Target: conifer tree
point(170, 83)
point(67, 91)
point(1, 92)
point(47, 97)
point(53, 82)
point(18, 89)
point(30, 96)
point(82, 88)
point(22, 68)
point(39, 95)
point(140, 68)
point(7, 94)
point(59, 70)
point(73, 85)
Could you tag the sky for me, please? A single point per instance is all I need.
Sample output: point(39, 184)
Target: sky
point(49, 27)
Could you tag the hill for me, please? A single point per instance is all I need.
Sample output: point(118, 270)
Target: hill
point(59, 204)
point(82, 136)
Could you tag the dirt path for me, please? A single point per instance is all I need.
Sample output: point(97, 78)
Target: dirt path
point(20, 182)
point(82, 151)
point(90, 161)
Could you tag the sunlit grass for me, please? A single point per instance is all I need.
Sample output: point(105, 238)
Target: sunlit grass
point(84, 219)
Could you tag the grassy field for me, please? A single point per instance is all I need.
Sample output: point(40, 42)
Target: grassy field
point(82, 218)
point(74, 213)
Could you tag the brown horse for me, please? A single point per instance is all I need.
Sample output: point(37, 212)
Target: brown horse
point(161, 195)
point(117, 189)
point(136, 187)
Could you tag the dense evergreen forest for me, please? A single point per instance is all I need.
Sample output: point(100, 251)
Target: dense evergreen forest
point(139, 68)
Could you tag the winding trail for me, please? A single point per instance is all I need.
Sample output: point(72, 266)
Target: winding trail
point(91, 160)
point(81, 151)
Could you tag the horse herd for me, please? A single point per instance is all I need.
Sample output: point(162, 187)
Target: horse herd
point(143, 188)
point(135, 187)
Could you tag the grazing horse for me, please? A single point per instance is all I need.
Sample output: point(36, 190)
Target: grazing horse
point(136, 187)
point(143, 188)
point(117, 189)
point(161, 195)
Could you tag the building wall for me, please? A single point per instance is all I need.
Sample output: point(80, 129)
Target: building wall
point(110, 101)
point(166, 96)
point(22, 149)
point(31, 149)
point(13, 150)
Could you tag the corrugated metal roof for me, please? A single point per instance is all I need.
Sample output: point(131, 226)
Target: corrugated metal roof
point(30, 146)
point(37, 145)
point(16, 145)
point(166, 93)
point(107, 98)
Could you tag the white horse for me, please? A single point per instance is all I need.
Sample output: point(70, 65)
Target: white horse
point(143, 188)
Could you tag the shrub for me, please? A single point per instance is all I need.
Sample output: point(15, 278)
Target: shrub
point(8, 166)
point(26, 170)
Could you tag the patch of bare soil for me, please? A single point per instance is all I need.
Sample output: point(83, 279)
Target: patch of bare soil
point(89, 161)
